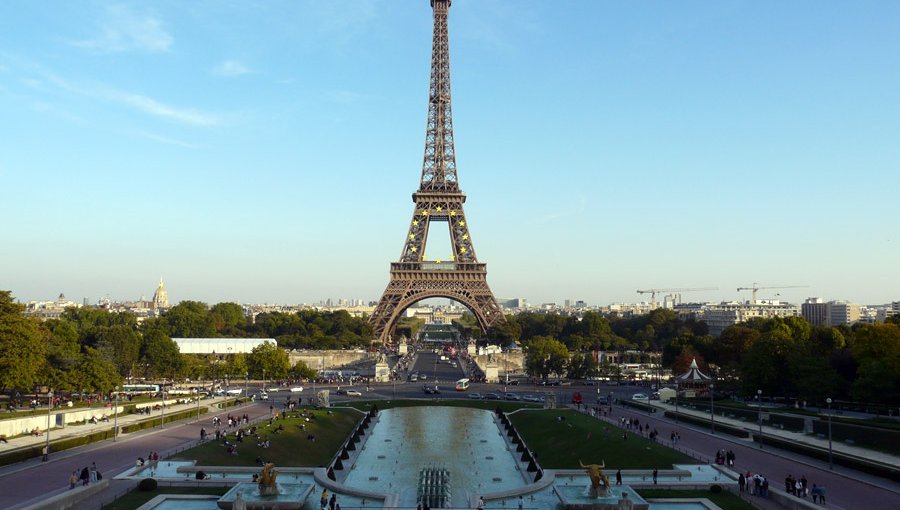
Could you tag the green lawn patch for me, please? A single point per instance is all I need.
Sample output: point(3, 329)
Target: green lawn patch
point(289, 448)
point(561, 444)
point(136, 498)
point(365, 405)
point(725, 499)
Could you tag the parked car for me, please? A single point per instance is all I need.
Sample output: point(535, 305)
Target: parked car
point(430, 390)
point(530, 398)
point(475, 396)
point(491, 396)
point(262, 395)
point(353, 393)
point(512, 396)
point(296, 389)
point(340, 392)
point(640, 396)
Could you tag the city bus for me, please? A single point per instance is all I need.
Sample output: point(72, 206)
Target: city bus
point(140, 388)
point(462, 385)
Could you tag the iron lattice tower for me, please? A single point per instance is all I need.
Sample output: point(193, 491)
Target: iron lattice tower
point(439, 199)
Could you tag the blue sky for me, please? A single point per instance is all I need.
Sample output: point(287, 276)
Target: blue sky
point(266, 151)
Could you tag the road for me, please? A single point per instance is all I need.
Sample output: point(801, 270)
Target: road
point(34, 479)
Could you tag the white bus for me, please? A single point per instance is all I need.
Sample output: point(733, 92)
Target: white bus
point(462, 385)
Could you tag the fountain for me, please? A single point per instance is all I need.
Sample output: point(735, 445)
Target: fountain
point(265, 493)
point(600, 495)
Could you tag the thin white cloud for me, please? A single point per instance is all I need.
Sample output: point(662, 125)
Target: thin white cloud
point(138, 102)
point(231, 68)
point(122, 29)
point(153, 107)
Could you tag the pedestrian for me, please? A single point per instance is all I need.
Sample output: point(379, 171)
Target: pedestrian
point(655, 475)
point(92, 474)
point(480, 503)
point(85, 476)
point(618, 477)
point(822, 494)
point(332, 501)
point(521, 503)
point(742, 482)
point(815, 493)
point(73, 479)
point(804, 486)
point(765, 488)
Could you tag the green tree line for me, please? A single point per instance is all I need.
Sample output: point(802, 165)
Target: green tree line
point(91, 349)
point(785, 357)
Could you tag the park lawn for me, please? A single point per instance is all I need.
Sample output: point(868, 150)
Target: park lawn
point(289, 448)
point(136, 498)
point(725, 500)
point(562, 444)
point(506, 406)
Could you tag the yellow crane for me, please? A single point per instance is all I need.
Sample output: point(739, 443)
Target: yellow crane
point(756, 288)
point(653, 292)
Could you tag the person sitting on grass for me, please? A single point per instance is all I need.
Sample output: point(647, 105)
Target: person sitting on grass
point(35, 431)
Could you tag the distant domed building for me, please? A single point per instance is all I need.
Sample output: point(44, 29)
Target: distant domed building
point(160, 297)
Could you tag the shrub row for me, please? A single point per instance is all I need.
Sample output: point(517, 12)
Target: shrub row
point(720, 427)
point(639, 405)
point(31, 452)
point(785, 421)
point(867, 437)
point(152, 422)
point(858, 463)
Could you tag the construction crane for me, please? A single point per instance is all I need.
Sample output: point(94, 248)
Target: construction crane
point(756, 287)
point(653, 292)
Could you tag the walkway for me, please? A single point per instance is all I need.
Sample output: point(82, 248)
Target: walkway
point(847, 489)
point(30, 481)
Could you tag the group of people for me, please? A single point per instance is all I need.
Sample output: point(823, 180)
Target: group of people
point(725, 457)
point(800, 487)
point(87, 475)
point(330, 504)
point(754, 484)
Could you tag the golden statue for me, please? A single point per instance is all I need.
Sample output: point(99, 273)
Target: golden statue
point(267, 480)
point(595, 471)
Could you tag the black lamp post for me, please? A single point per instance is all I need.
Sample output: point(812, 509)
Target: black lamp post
point(759, 416)
point(830, 458)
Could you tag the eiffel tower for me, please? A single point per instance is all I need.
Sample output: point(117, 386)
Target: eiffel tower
point(439, 199)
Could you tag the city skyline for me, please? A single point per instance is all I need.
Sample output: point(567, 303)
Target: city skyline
point(267, 153)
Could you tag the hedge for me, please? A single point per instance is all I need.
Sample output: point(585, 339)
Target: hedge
point(858, 463)
point(720, 427)
point(639, 405)
point(30, 452)
point(867, 437)
point(152, 422)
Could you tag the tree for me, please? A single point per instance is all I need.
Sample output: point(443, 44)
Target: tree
point(162, 354)
point(95, 373)
point(302, 371)
point(582, 366)
point(271, 358)
point(190, 319)
point(546, 355)
point(23, 344)
point(226, 317)
point(120, 345)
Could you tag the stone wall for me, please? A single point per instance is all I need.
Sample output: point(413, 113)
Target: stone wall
point(329, 359)
point(18, 426)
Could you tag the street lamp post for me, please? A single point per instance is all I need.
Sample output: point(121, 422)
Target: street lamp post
point(712, 412)
point(49, 412)
point(759, 416)
point(830, 458)
point(246, 380)
point(162, 420)
point(676, 399)
point(116, 416)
